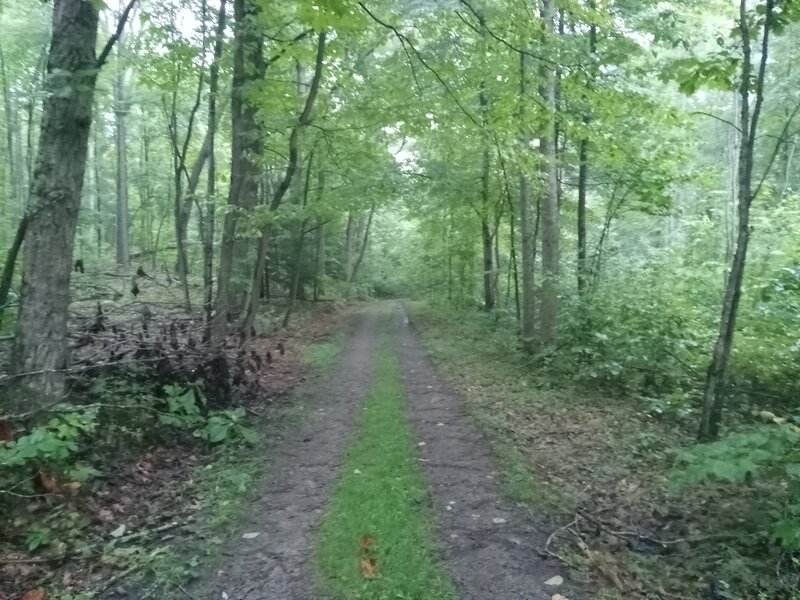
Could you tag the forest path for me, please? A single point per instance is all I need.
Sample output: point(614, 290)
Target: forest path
point(276, 564)
point(491, 547)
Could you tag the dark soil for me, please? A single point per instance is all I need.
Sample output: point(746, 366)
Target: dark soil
point(277, 564)
point(492, 547)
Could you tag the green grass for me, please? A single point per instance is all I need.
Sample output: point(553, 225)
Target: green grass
point(323, 355)
point(381, 496)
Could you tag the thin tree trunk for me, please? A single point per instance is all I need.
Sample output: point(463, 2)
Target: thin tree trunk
point(349, 250)
point(319, 271)
point(7, 277)
point(718, 370)
point(121, 108)
point(528, 240)
point(12, 136)
point(98, 196)
point(211, 189)
point(291, 169)
point(364, 242)
point(550, 212)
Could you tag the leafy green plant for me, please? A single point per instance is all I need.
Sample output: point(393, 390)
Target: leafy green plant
point(54, 442)
point(217, 427)
point(769, 452)
point(227, 426)
point(38, 537)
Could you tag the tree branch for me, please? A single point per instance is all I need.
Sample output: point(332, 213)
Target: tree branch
point(101, 60)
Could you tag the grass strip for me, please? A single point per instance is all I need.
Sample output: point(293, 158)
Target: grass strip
point(375, 542)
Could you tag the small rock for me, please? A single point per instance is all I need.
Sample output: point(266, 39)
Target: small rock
point(559, 597)
point(557, 580)
point(251, 536)
point(498, 520)
point(421, 444)
point(440, 424)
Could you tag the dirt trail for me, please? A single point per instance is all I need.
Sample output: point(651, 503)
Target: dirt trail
point(490, 546)
point(276, 565)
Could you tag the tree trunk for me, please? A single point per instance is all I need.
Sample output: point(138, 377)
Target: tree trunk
point(550, 212)
point(486, 235)
point(718, 370)
point(319, 270)
point(121, 108)
point(349, 250)
point(15, 171)
point(246, 149)
point(40, 350)
point(7, 276)
point(528, 242)
point(291, 168)
point(364, 242)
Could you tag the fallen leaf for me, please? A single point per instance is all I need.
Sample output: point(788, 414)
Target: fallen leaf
point(557, 580)
point(37, 594)
point(369, 568)
point(251, 536)
point(72, 488)
point(119, 531)
point(366, 543)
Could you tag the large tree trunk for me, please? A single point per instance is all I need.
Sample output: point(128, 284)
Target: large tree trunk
point(550, 213)
point(40, 350)
point(718, 370)
point(246, 148)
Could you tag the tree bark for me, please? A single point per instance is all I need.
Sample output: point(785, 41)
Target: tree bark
point(40, 350)
point(718, 370)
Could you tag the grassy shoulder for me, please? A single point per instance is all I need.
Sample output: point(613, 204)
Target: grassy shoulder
point(375, 541)
point(602, 464)
point(222, 489)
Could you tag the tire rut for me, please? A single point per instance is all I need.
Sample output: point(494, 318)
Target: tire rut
point(277, 564)
point(490, 546)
